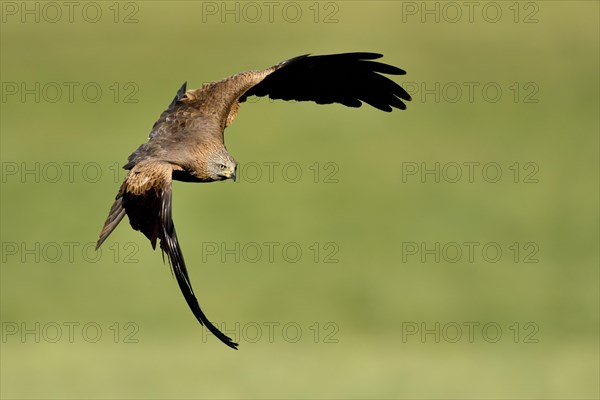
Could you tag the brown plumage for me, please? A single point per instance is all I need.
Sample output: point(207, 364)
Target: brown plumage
point(186, 143)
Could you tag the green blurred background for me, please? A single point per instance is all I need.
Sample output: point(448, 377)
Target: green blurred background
point(357, 316)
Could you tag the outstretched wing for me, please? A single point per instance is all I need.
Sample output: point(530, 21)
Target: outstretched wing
point(146, 198)
point(348, 79)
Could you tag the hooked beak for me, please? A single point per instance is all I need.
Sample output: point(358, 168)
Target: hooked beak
point(231, 174)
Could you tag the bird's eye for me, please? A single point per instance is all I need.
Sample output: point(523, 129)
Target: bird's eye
point(221, 166)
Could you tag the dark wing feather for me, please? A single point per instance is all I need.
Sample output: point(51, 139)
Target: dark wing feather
point(115, 215)
point(348, 79)
point(170, 245)
point(146, 198)
point(180, 95)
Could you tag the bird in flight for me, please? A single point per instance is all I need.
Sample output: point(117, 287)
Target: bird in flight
point(187, 142)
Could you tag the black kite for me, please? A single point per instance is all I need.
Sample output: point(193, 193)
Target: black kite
point(186, 143)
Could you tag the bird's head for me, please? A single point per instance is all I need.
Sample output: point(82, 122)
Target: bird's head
point(221, 166)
